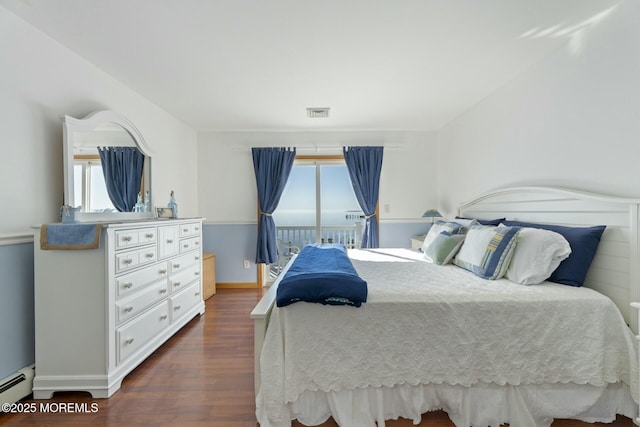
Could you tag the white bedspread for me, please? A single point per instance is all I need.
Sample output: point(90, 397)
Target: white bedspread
point(429, 324)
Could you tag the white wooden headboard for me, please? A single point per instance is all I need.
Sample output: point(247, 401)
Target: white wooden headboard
point(615, 271)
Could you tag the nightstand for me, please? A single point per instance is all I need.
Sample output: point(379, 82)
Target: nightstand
point(416, 242)
point(208, 275)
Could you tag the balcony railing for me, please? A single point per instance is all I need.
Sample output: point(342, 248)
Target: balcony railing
point(293, 238)
point(349, 235)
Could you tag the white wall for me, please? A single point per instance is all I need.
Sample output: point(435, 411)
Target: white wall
point(573, 120)
point(41, 82)
point(228, 197)
point(227, 191)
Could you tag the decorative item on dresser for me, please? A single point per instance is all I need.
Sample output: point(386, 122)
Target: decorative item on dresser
point(100, 312)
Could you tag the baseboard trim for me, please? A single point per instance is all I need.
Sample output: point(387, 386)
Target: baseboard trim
point(237, 285)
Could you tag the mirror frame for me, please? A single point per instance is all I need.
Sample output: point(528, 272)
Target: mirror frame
point(89, 123)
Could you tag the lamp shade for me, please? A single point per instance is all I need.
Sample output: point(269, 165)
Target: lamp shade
point(431, 213)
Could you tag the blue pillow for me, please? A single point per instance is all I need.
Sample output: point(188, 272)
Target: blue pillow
point(584, 242)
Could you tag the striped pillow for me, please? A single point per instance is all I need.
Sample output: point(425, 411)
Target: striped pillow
point(487, 251)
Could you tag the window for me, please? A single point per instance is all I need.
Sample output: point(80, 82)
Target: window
point(318, 205)
point(89, 185)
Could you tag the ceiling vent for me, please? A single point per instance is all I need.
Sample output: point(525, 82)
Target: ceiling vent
point(317, 112)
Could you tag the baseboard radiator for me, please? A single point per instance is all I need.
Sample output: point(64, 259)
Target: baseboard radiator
point(17, 386)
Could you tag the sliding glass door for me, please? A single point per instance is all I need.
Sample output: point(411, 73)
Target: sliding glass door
point(318, 206)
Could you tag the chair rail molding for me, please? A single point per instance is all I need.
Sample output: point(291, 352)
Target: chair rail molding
point(16, 238)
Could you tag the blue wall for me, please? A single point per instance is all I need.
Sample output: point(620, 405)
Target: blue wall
point(17, 330)
point(398, 234)
point(232, 244)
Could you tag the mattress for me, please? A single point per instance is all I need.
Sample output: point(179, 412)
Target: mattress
point(425, 325)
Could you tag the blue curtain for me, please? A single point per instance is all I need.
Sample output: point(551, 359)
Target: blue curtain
point(122, 169)
point(364, 165)
point(272, 167)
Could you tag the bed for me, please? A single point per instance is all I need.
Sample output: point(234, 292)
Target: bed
point(487, 352)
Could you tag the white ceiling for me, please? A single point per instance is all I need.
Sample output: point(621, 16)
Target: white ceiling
point(258, 64)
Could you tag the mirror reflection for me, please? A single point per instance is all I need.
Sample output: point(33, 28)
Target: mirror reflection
point(106, 167)
point(112, 145)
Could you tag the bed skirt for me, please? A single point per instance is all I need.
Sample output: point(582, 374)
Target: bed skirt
point(479, 405)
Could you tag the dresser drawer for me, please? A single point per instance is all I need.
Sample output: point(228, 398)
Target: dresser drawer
point(180, 280)
point(131, 281)
point(147, 235)
point(168, 241)
point(127, 308)
point(183, 261)
point(184, 300)
point(131, 259)
point(141, 330)
point(135, 237)
point(190, 229)
point(187, 245)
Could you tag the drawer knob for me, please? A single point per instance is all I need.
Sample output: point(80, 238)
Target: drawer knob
point(127, 261)
point(197, 294)
point(163, 271)
point(185, 229)
point(196, 257)
point(176, 308)
point(176, 265)
point(197, 243)
point(163, 291)
point(197, 228)
point(127, 238)
point(163, 317)
point(128, 309)
point(176, 284)
point(149, 254)
point(127, 285)
point(196, 273)
point(149, 235)
point(186, 245)
point(169, 240)
point(129, 341)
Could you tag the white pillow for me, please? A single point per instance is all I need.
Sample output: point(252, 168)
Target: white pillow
point(538, 253)
point(437, 228)
point(466, 223)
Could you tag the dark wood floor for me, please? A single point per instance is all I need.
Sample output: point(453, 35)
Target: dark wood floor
point(203, 376)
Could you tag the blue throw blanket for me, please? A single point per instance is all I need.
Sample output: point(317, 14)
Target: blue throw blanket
point(70, 236)
point(322, 274)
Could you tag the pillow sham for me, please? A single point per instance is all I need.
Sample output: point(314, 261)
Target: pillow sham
point(496, 221)
point(584, 242)
point(437, 228)
point(537, 255)
point(487, 250)
point(443, 248)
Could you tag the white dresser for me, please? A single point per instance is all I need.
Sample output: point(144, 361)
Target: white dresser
point(100, 312)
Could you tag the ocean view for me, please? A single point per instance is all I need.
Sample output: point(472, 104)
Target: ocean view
point(307, 217)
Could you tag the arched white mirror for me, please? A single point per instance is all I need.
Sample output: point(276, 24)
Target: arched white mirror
point(107, 168)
